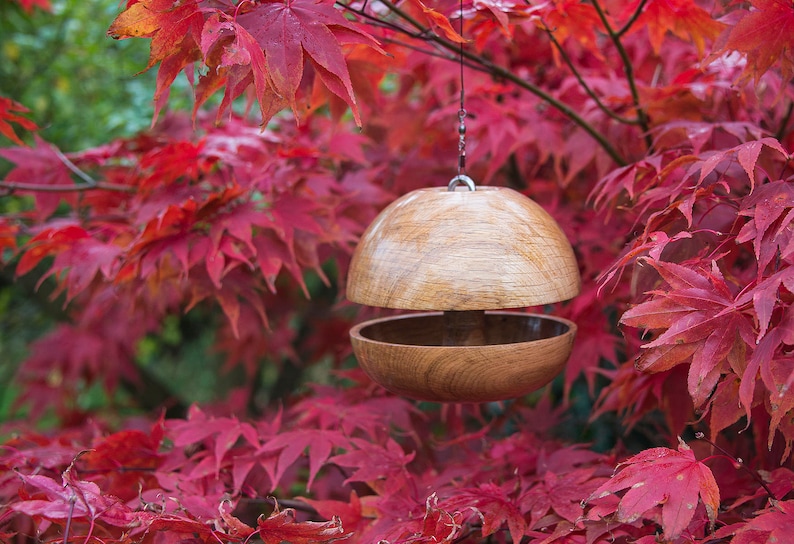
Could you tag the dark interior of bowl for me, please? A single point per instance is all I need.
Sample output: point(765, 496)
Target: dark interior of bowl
point(498, 328)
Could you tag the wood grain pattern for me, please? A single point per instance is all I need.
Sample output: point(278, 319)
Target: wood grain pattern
point(435, 249)
point(519, 353)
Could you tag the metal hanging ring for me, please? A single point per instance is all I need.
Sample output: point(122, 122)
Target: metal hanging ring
point(462, 178)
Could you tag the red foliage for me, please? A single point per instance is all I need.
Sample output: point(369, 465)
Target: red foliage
point(658, 133)
point(10, 112)
point(29, 5)
point(667, 478)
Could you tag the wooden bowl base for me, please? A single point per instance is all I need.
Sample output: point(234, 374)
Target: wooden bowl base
point(468, 356)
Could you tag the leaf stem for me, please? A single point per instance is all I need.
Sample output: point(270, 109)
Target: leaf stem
point(739, 462)
point(628, 67)
point(68, 528)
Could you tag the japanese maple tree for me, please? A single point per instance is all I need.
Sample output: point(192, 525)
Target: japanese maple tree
point(657, 132)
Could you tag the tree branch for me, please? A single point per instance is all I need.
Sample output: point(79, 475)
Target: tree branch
point(13, 186)
point(584, 84)
point(628, 67)
point(88, 184)
point(632, 19)
point(435, 53)
point(422, 35)
point(74, 168)
point(376, 21)
point(502, 72)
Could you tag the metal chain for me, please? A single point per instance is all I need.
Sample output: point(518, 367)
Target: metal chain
point(462, 110)
point(461, 141)
point(462, 177)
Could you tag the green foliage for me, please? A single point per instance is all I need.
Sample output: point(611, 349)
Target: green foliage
point(83, 89)
point(78, 83)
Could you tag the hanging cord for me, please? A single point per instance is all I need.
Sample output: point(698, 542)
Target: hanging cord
point(462, 177)
point(462, 110)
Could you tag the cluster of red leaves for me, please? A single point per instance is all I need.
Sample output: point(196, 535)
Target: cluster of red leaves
point(11, 112)
point(173, 223)
point(714, 260)
point(265, 44)
point(693, 246)
point(219, 479)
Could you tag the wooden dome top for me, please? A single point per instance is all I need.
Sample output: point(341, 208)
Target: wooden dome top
point(435, 249)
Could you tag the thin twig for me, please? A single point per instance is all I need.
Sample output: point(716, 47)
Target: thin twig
point(13, 186)
point(632, 19)
point(378, 22)
point(628, 68)
point(68, 528)
point(740, 462)
point(584, 84)
point(436, 54)
point(500, 71)
point(74, 168)
point(88, 184)
point(120, 469)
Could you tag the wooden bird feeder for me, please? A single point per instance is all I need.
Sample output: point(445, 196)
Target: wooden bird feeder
point(454, 253)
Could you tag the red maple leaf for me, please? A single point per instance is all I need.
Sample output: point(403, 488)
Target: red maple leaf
point(684, 18)
point(772, 524)
point(8, 238)
point(319, 443)
point(79, 257)
point(701, 320)
point(48, 242)
point(770, 205)
point(236, 59)
point(220, 433)
point(351, 513)
point(667, 478)
point(382, 468)
point(495, 505)
point(281, 526)
point(7, 116)
point(175, 30)
point(438, 525)
point(507, 12)
point(573, 19)
point(438, 22)
point(766, 356)
point(766, 35)
point(292, 32)
point(128, 458)
point(74, 499)
point(561, 493)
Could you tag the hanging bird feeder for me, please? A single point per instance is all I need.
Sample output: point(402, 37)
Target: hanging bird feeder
point(462, 255)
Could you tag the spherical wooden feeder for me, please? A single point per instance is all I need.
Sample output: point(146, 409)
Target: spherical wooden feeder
point(454, 253)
